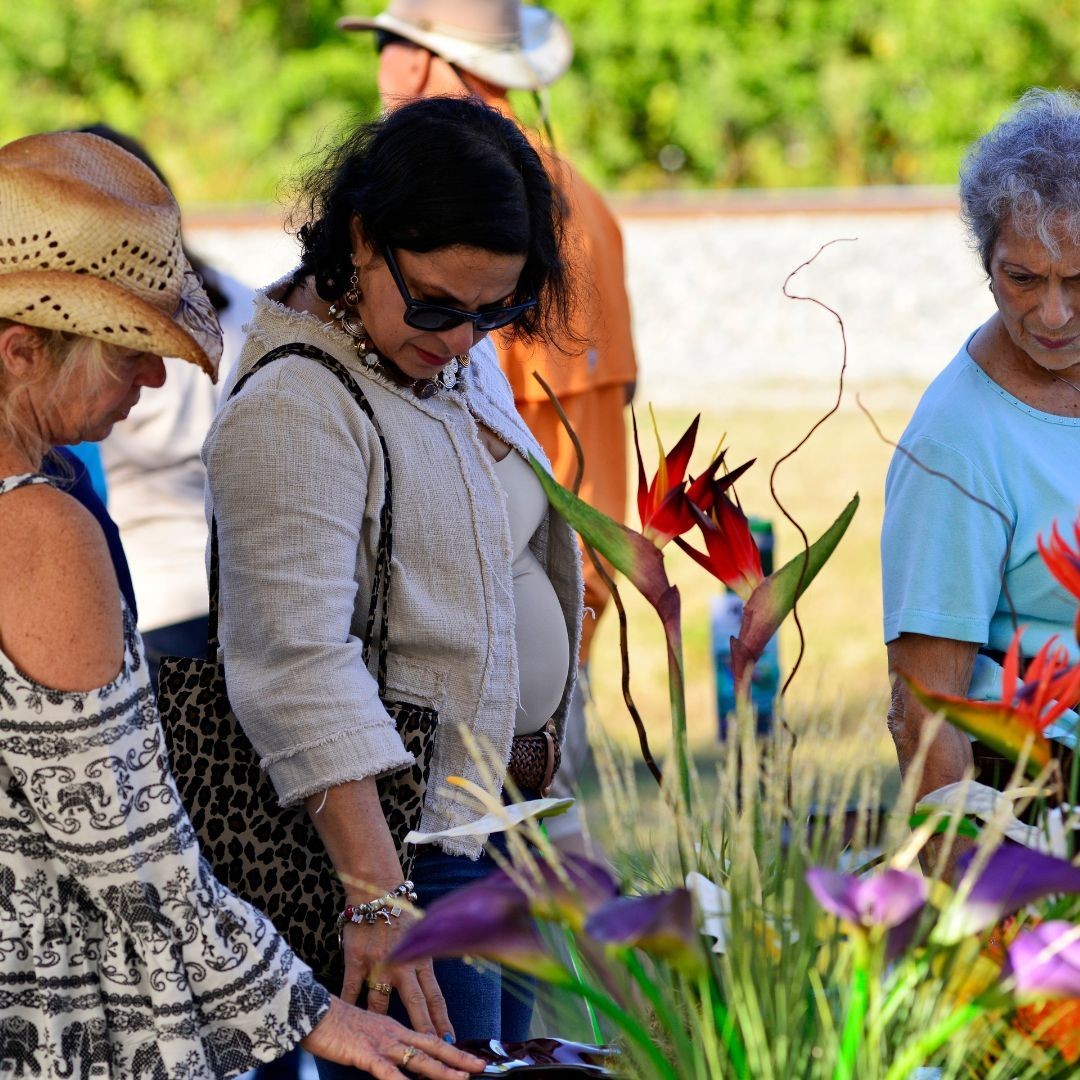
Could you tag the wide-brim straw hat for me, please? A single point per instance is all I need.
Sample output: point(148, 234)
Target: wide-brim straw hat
point(509, 44)
point(90, 244)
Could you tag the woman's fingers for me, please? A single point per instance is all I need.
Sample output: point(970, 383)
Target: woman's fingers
point(428, 1055)
point(356, 971)
point(381, 1046)
point(422, 1065)
point(378, 997)
point(416, 1003)
point(435, 1049)
point(436, 1003)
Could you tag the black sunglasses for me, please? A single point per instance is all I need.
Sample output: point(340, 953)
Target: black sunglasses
point(421, 315)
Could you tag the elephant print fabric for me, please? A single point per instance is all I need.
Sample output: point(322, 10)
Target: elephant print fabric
point(120, 953)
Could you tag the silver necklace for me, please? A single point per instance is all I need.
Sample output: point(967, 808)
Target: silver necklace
point(1067, 382)
point(347, 318)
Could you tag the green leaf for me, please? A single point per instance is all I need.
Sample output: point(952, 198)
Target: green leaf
point(629, 552)
point(965, 827)
point(771, 602)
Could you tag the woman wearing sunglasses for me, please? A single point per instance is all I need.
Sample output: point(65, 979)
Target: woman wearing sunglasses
point(424, 231)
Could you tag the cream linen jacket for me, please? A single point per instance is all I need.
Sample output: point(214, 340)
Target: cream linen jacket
point(295, 479)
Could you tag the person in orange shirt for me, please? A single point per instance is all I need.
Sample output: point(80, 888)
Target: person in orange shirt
point(486, 48)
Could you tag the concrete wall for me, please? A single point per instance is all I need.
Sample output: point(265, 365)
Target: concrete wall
point(711, 322)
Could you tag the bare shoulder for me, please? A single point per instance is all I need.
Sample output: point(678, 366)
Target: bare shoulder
point(60, 614)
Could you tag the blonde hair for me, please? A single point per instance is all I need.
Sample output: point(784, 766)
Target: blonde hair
point(68, 355)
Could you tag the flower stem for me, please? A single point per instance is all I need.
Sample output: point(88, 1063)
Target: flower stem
point(575, 966)
point(670, 611)
point(917, 1052)
point(664, 1012)
point(851, 1039)
point(625, 1022)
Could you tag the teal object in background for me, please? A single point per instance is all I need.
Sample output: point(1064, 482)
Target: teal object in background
point(90, 455)
point(725, 620)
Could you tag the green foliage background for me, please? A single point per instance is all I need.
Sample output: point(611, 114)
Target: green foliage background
point(228, 94)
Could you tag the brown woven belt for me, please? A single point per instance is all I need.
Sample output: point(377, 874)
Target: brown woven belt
point(535, 759)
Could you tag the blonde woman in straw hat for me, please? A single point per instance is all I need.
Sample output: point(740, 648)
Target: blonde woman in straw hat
point(119, 952)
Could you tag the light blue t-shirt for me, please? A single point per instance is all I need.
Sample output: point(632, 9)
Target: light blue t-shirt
point(944, 555)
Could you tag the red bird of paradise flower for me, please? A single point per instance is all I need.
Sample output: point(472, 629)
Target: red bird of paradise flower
point(671, 505)
point(662, 503)
point(666, 504)
point(1063, 562)
point(731, 553)
point(1050, 686)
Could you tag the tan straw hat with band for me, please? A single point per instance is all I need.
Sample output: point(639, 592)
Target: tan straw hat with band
point(90, 244)
point(506, 43)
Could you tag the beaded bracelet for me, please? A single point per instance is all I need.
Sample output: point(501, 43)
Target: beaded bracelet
point(385, 907)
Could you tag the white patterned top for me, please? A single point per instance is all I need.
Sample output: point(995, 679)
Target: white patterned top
point(120, 953)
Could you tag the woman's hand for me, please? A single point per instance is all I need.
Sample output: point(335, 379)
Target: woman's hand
point(382, 1047)
point(350, 822)
point(366, 948)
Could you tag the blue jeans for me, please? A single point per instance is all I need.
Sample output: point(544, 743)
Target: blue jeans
point(483, 1002)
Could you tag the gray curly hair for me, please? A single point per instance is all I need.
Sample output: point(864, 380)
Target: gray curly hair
point(1028, 167)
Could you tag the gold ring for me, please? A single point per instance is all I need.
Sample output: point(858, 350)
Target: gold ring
point(383, 988)
point(407, 1056)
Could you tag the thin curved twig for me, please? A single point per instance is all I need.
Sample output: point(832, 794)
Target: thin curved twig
point(963, 491)
point(802, 442)
point(606, 578)
point(624, 653)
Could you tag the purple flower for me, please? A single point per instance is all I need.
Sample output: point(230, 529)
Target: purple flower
point(1013, 877)
point(494, 918)
point(661, 924)
point(489, 919)
point(886, 900)
point(590, 885)
point(1045, 961)
point(890, 901)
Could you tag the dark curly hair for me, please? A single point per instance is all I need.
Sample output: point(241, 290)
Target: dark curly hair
point(436, 173)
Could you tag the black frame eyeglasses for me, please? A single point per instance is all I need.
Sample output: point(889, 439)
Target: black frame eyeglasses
point(421, 315)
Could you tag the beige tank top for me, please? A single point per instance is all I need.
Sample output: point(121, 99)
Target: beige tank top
point(543, 646)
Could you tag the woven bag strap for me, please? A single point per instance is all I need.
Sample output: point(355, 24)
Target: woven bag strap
point(380, 586)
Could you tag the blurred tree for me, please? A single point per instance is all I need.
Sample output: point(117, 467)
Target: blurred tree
point(801, 92)
point(231, 93)
point(227, 94)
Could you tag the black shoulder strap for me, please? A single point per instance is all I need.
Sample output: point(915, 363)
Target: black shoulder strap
point(380, 586)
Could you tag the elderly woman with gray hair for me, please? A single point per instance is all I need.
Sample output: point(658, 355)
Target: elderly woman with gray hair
point(991, 458)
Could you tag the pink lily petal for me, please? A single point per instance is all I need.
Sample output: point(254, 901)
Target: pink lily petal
point(1045, 961)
